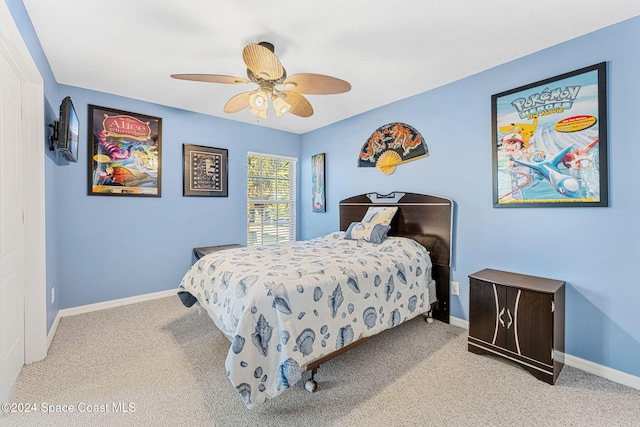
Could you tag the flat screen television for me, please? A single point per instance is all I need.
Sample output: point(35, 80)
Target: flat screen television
point(67, 131)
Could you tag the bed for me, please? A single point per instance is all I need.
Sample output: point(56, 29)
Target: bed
point(288, 308)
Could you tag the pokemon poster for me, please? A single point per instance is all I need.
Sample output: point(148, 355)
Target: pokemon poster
point(549, 142)
point(124, 153)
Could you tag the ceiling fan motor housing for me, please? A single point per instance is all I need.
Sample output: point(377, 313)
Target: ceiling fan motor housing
point(268, 46)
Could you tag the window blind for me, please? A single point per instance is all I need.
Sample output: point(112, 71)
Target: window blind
point(271, 199)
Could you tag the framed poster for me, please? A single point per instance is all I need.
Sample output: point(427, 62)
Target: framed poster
point(317, 178)
point(549, 142)
point(124, 153)
point(205, 171)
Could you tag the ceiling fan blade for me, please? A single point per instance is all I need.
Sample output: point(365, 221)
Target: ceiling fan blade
point(210, 78)
point(300, 106)
point(262, 62)
point(238, 102)
point(316, 84)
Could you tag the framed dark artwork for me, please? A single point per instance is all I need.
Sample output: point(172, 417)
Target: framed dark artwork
point(549, 142)
point(205, 171)
point(317, 178)
point(124, 154)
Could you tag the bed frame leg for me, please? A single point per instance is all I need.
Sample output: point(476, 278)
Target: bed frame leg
point(428, 317)
point(311, 385)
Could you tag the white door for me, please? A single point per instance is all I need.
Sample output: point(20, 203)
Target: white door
point(11, 230)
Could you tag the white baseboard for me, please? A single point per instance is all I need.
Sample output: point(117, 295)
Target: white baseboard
point(52, 331)
point(579, 363)
point(116, 303)
point(461, 323)
point(602, 371)
point(104, 305)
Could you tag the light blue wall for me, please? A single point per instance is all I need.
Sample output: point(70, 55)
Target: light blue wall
point(593, 249)
point(112, 247)
point(116, 247)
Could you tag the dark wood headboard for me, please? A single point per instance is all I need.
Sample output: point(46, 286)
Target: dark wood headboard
point(423, 218)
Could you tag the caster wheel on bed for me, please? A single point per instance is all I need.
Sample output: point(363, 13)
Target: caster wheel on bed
point(429, 319)
point(311, 386)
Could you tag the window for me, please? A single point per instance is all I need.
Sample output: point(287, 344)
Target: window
point(271, 199)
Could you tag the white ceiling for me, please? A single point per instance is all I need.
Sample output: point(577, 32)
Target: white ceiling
point(387, 50)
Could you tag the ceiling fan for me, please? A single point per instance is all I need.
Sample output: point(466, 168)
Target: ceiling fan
point(285, 92)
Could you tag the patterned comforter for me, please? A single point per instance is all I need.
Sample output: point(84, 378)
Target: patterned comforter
point(285, 306)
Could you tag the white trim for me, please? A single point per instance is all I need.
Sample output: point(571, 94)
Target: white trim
point(520, 361)
point(461, 323)
point(115, 303)
point(275, 156)
point(579, 363)
point(54, 327)
point(284, 223)
point(499, 314)
point(13, 47)
point(35, 276)
point(602, 371)
point(104, 305)
point(515, 327)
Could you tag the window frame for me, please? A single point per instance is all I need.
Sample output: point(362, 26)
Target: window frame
point(284, 226)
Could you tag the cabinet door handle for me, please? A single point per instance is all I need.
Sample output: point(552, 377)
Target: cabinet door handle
point(500, 317)
point(510, 319)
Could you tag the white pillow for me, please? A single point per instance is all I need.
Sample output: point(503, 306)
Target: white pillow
point(370, 232)
point(380, 214)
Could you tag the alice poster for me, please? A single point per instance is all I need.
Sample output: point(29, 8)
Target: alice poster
point(124, 153)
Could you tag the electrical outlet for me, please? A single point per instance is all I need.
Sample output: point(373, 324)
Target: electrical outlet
point(455, 288)
point(53, 295)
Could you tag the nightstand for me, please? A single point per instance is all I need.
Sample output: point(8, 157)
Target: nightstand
point(200, 252)
point(520, 318)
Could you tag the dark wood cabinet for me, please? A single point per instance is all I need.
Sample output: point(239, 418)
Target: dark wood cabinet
point(200, 252)
point(518, 317)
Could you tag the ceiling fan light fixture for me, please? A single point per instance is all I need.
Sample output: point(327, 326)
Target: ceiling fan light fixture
point(259, 103)
point(280, 105)
point(261, 114)
point(258, 100)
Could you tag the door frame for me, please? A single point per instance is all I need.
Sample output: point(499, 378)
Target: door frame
point(14, 49)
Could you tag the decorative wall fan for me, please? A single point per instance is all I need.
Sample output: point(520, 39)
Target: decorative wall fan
point(285, 92)
point(391, 145)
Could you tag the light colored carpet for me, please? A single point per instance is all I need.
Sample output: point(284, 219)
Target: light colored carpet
point(167, 361)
